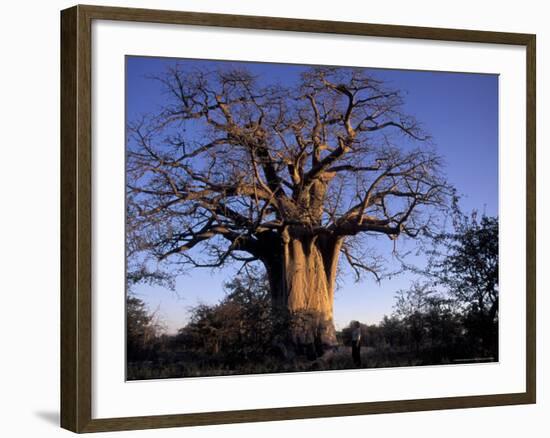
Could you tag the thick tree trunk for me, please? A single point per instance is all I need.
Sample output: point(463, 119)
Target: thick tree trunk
point(302, 276)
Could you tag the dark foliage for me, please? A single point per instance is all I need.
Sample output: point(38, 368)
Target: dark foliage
point(142, 330)
point(465, 264)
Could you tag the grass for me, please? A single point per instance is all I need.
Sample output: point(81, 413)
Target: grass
point(192, 365)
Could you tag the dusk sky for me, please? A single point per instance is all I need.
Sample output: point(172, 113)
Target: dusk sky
point(459, 110)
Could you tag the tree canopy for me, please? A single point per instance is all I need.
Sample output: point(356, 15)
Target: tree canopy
point(465, 263)
point(234, 166)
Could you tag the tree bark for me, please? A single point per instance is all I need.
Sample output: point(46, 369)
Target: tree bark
point(302, 273)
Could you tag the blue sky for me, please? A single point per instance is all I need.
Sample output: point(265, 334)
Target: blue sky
point(459, 110)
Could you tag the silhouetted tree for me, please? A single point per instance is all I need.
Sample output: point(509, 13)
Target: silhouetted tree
point(465, 264)
point(430, 318)
point(142, 329)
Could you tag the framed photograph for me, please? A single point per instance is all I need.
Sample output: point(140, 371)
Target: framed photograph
point(269, 218)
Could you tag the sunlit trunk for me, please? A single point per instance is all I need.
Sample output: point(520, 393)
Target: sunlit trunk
point(302, 277)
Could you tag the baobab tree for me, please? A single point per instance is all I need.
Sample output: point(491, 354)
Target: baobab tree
point(294, 177)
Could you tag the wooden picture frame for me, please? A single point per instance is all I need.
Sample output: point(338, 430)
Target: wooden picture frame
point(76, 218)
